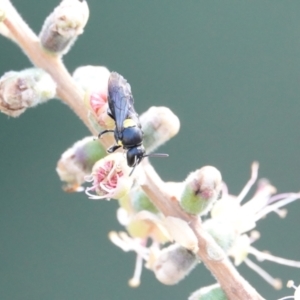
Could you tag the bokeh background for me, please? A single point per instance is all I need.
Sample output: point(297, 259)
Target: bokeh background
point(229, 69)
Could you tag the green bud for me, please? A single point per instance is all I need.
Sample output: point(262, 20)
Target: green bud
point(212, 292)
point(140, 201)
point(223, 233)
point(78, 161)
point(202, 188)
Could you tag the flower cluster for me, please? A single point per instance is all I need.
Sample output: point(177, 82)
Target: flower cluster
point(238, 221)
point(164, 243)
point(167, 244)
point(229, 222)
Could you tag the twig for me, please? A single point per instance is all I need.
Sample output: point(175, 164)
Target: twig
point(235, 287)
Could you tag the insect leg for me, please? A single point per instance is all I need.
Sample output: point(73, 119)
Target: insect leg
point(113, 148)
point(103, 132)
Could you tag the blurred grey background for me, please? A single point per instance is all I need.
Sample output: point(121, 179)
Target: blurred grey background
point(229, 69)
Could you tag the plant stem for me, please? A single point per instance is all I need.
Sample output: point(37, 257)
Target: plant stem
point(235, 287)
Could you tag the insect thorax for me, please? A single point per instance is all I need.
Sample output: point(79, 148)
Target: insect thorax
point(131, 137)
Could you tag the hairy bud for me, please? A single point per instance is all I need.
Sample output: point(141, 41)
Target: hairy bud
point(92, 79)
point(223, 233)
point(24, 89)
point(202, 189)
point(173, 264)
point(77, 162)
point(140, 201)
point(63, 25)
point(159, 125)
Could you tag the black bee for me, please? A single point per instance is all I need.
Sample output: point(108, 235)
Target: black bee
point(128, 131)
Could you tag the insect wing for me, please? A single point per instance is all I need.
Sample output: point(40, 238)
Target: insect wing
point(120, 103)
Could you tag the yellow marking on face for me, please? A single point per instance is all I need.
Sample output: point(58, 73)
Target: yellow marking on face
point(128, 123)
point(120, 143)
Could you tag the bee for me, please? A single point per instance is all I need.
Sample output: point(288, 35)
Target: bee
point(128, 131)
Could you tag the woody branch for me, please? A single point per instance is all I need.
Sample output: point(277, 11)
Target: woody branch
point(235, 286)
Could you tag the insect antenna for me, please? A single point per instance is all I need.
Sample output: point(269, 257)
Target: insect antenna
point(156, 155)
point(137, 161)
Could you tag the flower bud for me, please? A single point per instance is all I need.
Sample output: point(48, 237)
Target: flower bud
point(202, 189)
point(222, 232)
point(110, 178)
point(147, 225)
point(102, 118)
point(92, 79)
point(159, 125)
point(140, 201)
point(27, 88)
point(182, 233)
point(173, 264)
point(77, 162)
point(212, 292)
point(63, 25)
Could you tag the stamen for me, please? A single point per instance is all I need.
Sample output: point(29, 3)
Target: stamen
point(126, 243)
point(254, 236)
point(281, 212)
point(136, 279)
point(89, 178)
point(266, 256)
point(249, 184)
point(278, 197)
point(103, 187)
point(291, 284)
point(92, 196)
point(275, 282)
point(115, 239)
point(292, 197)
point(112, 170)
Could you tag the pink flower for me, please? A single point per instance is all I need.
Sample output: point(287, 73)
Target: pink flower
point(110, 178)
point(96, 101)
point(98, 106)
